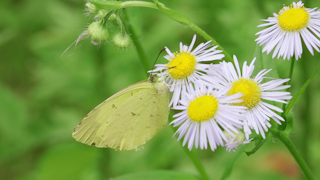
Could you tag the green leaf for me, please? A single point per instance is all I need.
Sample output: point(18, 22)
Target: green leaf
point(296, 97)
point(67, 161)
point(13, 110)
point(158, 175)
point(175, 15)
point(288, 124)
point(258, 145)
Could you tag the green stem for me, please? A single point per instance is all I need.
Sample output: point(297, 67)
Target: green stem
point(291, 71)
point(306, 122)
point(141, 53)
point(284, 124)
point(306, 109)
point(101, 90)
point(140, 4)
point(104, 164)
point(165, 10)
point(293, 150)
point(100, 83)
point(120, 5)
point(196, 161)
point(230, 165)
point(192, 155)
point(209, 38)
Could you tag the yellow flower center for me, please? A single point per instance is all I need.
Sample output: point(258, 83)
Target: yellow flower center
point(202, 108)
point(182, 65)
point(251, 92)
point(293, 19)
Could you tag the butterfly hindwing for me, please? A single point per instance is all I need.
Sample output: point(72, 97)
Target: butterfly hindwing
point(137, 125)
point(127, 119)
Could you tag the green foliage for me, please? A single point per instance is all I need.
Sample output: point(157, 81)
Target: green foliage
point(44, 93)
point(77, 161)
point(158, 175)
point(175, 15)
point(302, 89)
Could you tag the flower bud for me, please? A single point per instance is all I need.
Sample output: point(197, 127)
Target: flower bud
point(98, 31)
point(233, 142)
point(122, 41)
point(101, 14)
point(112, 17)
point(91, 8)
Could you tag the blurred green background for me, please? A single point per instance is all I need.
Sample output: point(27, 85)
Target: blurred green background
point(44, 93)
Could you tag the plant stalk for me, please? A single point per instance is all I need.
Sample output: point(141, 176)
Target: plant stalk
point(125, 4)
point(135, 40)
point(197, 163)
point(294, 152)
point(291, 71)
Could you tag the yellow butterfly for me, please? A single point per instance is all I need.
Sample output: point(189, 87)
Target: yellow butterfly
point(129, 118)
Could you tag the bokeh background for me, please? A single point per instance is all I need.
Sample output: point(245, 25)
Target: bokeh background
point(45, 93)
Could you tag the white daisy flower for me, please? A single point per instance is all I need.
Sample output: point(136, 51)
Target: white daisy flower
point(186, 66)
point(284, 31)
point(235, 141)
point(205, 114)
point(255, 94)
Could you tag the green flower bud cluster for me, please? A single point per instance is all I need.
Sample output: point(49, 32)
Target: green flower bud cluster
point(108, 26)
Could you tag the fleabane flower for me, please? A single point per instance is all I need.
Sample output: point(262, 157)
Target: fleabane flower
point(205, 114)
point(185, 66)
point(284, 31)
point(257, 96)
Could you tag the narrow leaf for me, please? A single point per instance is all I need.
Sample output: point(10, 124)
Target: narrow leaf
point(258, 145)
point(296, 97)
point(175, 15)
point(158, 175)
point(230, 165)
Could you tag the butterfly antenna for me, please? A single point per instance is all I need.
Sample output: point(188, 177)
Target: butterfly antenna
point(157, 59)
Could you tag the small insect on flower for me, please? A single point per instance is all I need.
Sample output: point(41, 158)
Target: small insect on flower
point(186, 66)
point(284, 31)
point(205, 114)
point(259, 112)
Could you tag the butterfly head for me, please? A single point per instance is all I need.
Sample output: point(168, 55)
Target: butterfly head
point(154, 78)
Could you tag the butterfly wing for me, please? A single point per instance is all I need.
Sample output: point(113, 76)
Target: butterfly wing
point(127, 119)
